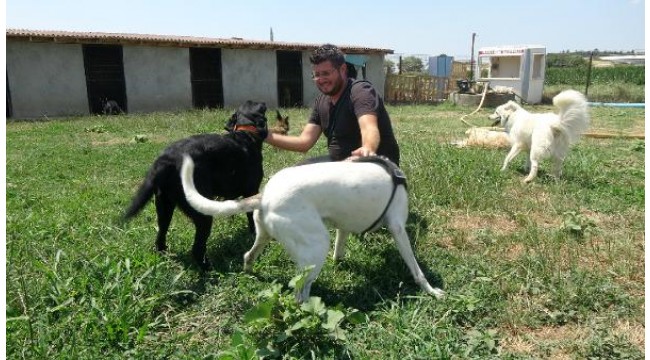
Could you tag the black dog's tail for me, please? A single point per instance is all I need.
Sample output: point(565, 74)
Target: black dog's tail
point(142, 197)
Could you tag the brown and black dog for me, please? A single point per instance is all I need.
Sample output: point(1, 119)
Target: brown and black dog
point(227, 166)
point(282, 125)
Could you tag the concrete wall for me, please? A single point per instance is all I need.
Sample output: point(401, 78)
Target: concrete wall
point(310, 91)
point(249, 75)
point(375, 72)
point(46, 79)
point(157, 78)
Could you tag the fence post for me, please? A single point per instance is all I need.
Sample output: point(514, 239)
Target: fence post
point(591, 58)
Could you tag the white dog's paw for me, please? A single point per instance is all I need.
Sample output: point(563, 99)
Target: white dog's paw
point(438, 293)
point(248, 266)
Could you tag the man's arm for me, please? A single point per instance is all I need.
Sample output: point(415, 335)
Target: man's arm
point(369, 136)
point(301, 143)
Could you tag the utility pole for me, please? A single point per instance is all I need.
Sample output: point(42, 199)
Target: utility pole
point(471, 62)
point(591, 59)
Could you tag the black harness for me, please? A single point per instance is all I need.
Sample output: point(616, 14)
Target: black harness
point(396, 174)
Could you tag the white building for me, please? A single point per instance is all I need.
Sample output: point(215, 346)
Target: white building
point(59, 73)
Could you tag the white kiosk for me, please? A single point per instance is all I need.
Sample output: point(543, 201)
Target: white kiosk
point(521, 68)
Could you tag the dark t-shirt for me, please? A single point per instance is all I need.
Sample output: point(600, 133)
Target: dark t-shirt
point(340, 122)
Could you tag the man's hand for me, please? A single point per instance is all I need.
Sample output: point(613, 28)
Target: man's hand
point(362, 152)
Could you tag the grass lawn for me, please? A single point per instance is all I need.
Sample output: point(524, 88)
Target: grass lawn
point(553, 269)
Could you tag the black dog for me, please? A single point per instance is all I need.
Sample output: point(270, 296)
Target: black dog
point(227, 166)
point(111, 107)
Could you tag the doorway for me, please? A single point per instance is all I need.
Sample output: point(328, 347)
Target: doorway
point(104, 77)
point(207, 84)
point(289, 78)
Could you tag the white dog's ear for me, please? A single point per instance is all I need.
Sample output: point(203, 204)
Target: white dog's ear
point(511, 105)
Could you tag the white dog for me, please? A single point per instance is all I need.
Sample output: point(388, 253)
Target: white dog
point(297, 201)
point(485, 138)
point(544, 135)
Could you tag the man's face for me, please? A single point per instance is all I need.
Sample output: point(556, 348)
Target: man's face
point(329, 80)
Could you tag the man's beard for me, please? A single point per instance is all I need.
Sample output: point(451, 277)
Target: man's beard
point(338, 85)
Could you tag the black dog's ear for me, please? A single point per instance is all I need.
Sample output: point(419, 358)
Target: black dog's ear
point(251, 113)
point(277, 115)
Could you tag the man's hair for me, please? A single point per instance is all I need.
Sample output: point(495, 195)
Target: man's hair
point(327, 52)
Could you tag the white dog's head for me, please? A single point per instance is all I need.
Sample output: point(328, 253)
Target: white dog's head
point(503, 112)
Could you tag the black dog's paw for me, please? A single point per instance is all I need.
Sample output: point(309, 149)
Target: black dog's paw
point(204, 265)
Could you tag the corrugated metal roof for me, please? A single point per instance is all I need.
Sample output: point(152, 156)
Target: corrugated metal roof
point(73, 37)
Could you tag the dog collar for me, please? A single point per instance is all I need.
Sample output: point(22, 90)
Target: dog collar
point(249, 128)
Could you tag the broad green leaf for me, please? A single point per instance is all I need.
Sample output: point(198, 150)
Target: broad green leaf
point(356, 317)
point(334, 317)
point(260, 312)
point(314, 306)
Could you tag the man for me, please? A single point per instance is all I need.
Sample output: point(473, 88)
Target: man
point(350, 113)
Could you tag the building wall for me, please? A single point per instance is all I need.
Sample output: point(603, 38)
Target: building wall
point(249, 75)
point(46, 79)
point(157, 78)
point(310, 91)
point(375, 72)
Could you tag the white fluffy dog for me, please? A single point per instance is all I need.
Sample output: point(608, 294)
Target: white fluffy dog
point(486, 138)
point(544, 135)
point(297, 201)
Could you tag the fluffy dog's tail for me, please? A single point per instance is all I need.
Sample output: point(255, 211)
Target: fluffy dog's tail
point(574, 114)
point(211, 207)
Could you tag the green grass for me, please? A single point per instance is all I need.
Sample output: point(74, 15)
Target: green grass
point(553, 269)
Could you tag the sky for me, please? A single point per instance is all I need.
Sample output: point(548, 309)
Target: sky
point(408, 27)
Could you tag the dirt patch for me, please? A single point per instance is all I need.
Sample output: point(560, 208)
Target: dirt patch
point(112, 141)
point(470, 230)
point(559, 342)
point(497, 224)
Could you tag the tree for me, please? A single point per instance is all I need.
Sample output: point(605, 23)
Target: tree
point(389, 66)
point(565, 60)
point(412, 64)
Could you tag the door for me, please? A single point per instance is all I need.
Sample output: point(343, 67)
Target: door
point(104, 77)
point(289, 78)
point(207, 84)
point(9, 108)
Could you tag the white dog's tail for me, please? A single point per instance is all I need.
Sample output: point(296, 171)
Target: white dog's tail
point(211, 207)
point(574, 114)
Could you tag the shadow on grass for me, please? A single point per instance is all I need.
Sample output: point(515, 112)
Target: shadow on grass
point(387, 278)
point(381, 275)
point(225, 254)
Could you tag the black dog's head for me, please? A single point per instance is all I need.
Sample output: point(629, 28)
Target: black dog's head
point(251, 117)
